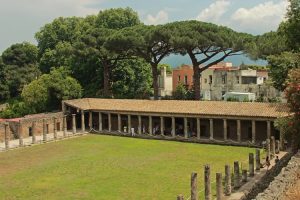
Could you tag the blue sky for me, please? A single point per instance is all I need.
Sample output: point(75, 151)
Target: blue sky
point(20, 19)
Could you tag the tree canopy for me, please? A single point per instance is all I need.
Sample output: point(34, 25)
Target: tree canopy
point(206, 44)
point(47, 92)
point(19, 66)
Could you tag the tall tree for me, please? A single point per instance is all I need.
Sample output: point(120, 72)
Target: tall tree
point(206, 44)
point(92, 57)
point(20, 67)
point(152, 43)
point(291, 27)
point(280, 67)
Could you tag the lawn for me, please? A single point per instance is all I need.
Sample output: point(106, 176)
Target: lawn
point(107, 167)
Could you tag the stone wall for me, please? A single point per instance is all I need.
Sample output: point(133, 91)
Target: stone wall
point(285, 180)
point(263, 185)
point(23, 125)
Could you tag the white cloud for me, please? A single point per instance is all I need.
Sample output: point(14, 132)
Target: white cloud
point(20, 20)
point(214, 12)
point(261, 18)
point(160, 18)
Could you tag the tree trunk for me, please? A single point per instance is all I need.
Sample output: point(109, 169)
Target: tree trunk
point(196, 80)
point(106, 80)
point(155, 80)
point(196, 76)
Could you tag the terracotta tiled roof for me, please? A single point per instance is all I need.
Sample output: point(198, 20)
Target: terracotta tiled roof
point(212, 108)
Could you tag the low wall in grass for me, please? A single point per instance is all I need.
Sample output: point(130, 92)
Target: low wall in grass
point(285, 179)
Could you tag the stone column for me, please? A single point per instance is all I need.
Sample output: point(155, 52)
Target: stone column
point(185, 128)
point(251, 164)
point(194, 185)
point(21, 142)
point(91, 119)
point(129, 124)
point(268, 151)
point(236, 175)
point(54, 129)
point(268, 129)
point(150, 125)
point(33, 129)
point(109, 122)
point(244, 175)
point(44, 130)
point(74, 123)
point(82, 121)
point(277, 147)
point(162, 126)
point(211, 129)
point(273, 146)
point(198, 128)
point(253, 131)
point(227, 180)
point(119, 123)
point(180, 197)
point(65, 125)
point(219, 189)
point(207, 186)
point(100, 122)
point(140, 125)
point(238, 130)
point(6, 136)
point(257, 159)
point(173, 127)
point(225, 129)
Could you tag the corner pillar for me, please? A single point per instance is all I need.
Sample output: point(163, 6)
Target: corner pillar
point(109, 122)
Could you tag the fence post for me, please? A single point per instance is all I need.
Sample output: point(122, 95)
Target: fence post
point(227, 180)
point(277, 147)
point(6, 136)
point(257, 159)
point(272, 146)
point(194, 191)
point(207, 189)
point(219, 186)
point(236, 175)
point(251, 164)
point(244, 175)
point(268, 148)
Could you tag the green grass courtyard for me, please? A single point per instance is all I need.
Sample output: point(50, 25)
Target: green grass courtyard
point(107, 167)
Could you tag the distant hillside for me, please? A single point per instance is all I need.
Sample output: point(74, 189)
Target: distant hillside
point(177, 60)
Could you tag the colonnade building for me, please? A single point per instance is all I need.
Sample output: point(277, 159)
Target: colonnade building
point(240, 122)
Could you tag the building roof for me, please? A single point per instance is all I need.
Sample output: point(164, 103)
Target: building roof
point(204, 108)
